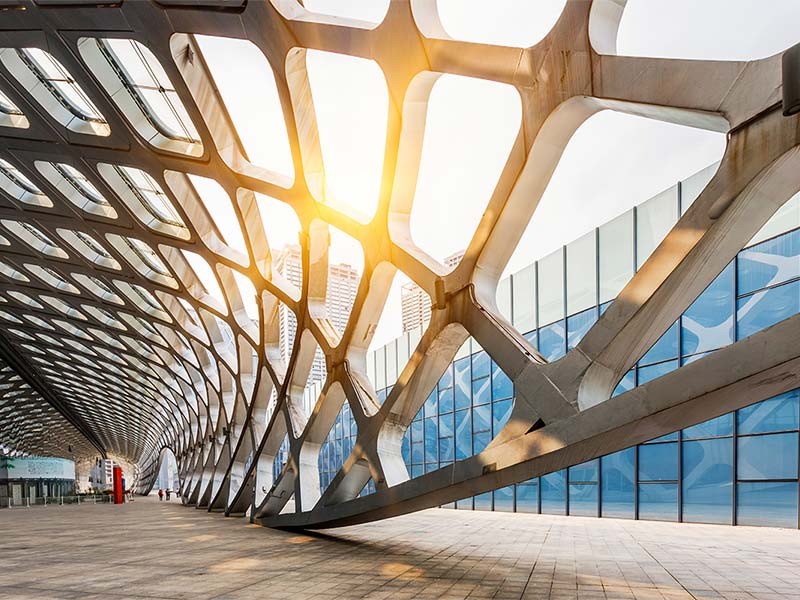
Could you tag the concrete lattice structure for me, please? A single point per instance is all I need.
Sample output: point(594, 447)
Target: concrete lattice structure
point(143, 356)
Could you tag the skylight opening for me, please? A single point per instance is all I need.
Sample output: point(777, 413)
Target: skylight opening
point(75, 187)
point(34, 237)
point(7, 106)
point(366, 15)
point(52, 278)
point(12, 273)
point(51, 84)
point(98, 287)
point(19, 187)
point(344, 266)
point(142, 298)
point(205, 274)
point(220, 209)
point(615, 180)
point(516, 23)
point(733, 30)
point(10, 114)
point(470, 129)
point(282, 230)
point(256, 113)
point(144, 77)
point(63, 307)
point(145, 198)
point(89, 248)
point(351, 121)
point(148, 256)
point(151, 195)
point(25, 299)
point(249, 296)
point(138, 84)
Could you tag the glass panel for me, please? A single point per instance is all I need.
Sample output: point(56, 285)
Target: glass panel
point(147, 82)
point(551, 287)
point(463, 383)
point(501, 384)
point(463, 434)
point(481, 391)
point(708, 323)
point(579, 325)
point(585, 472)
point(693, 186)
point(61, 84)
point(780, 413)
point(771, 456)
point(763, 309)
point(708, 481)
point(528, 496)
point(654, 219)
point(552, 341)
point(665, 348)
point(150, 194)
point(721, 426)
point(504, 298)
point(658, 462)
point(769, 263)
point(483, 501)
point(772, 504)
point(655, 371)
point(627, 383)
point(582, 273)
point(583, 499)
point(501, 412)
point(786, 218)
point(617, 476)
point(524, 295)
point(554, 493)
point(504, 499)
point(658, 501)
point(615, 255)
point(480, 365)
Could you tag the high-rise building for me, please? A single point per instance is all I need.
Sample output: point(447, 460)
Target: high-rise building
point(342, 287)
point(416, 304)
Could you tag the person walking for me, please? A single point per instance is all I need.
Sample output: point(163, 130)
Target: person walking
point(169, 491)
point(160, 494)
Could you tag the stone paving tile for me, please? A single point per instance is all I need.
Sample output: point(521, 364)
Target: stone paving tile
point(149, 549)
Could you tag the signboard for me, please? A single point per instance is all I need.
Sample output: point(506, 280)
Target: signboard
point(38, 468)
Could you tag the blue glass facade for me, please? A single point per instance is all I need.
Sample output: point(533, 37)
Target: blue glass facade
point(741, 468)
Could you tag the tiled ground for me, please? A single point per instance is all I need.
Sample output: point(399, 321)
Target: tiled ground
point(161, 550)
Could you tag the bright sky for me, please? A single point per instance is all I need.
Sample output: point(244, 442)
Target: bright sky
point(612, 163)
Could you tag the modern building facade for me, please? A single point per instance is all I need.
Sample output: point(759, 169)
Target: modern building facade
point(740, 468)
point(31, 479)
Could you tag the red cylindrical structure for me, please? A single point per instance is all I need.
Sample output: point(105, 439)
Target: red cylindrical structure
point(118, 491)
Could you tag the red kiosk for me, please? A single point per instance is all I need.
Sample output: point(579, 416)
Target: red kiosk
point(119, 492)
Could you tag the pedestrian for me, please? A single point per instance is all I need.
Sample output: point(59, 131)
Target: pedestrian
point(169, 491)
point(160, 494)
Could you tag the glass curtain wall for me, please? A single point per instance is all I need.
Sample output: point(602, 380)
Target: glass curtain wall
point(741, 468)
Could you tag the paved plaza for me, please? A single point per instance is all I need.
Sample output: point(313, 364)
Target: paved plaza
point(162, 550)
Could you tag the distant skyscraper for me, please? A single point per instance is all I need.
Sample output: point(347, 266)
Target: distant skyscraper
point(343, 282)
point(416, 304)
point(451, 262)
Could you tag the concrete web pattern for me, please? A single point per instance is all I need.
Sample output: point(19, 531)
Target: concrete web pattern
point(108, 234)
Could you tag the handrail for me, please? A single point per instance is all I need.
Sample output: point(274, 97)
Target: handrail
point(55, 501)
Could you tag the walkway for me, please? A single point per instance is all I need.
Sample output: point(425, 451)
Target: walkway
point(161, 550)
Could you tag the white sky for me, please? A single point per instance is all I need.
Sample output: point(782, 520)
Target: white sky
point(612, 163)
